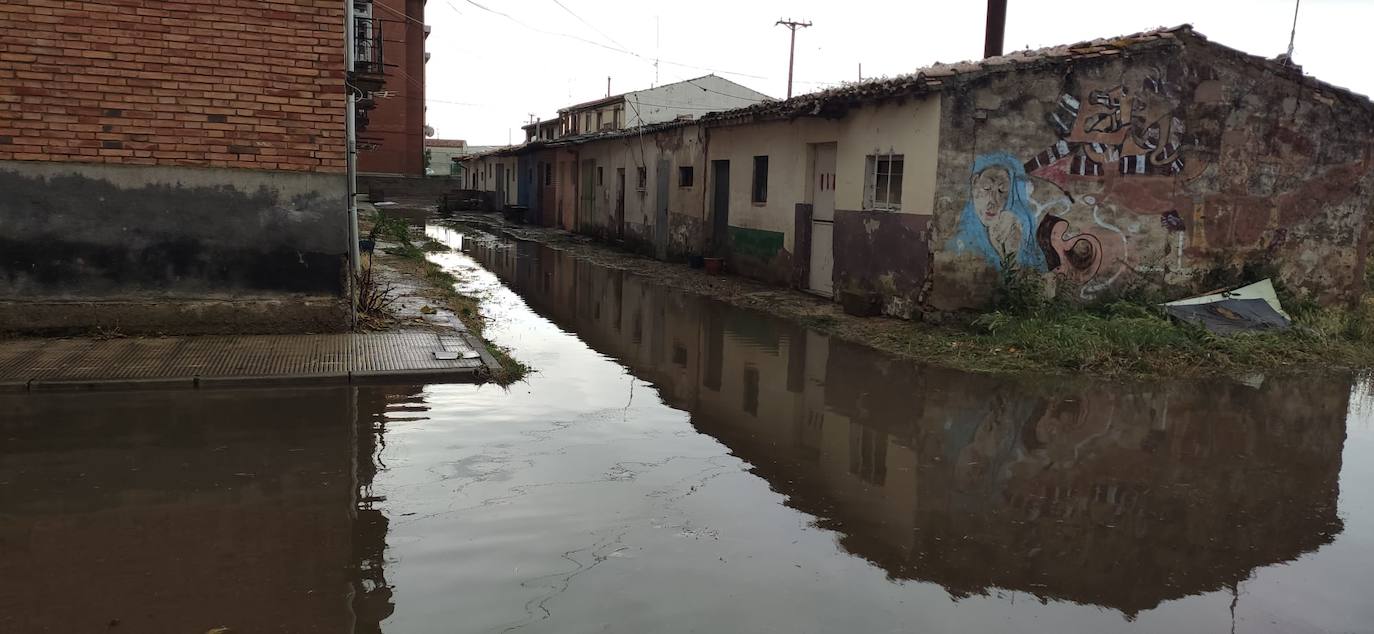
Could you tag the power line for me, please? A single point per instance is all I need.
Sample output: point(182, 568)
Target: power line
point(694, 83)
point(589, 24)
point(400, 13)
point(605, 46)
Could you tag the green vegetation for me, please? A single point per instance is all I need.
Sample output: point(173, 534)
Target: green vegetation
point(443, 288)
point(1125, 335)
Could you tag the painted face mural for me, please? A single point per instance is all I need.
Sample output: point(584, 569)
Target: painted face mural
point(998, 222)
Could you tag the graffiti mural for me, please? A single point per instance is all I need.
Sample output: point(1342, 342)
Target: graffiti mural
point(998, 222)
point(1098, 203)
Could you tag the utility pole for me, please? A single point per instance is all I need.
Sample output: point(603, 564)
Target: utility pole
point(792, 25)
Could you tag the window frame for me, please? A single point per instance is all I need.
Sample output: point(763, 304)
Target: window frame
point(758, 183)
point(872, 172)
point(641, 178)
point(686, 176)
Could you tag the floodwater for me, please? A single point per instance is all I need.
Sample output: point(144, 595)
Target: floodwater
point(677, 465)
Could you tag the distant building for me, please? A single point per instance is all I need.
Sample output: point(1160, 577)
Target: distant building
point(439, 154)
point(393, 141)
point(685, 99)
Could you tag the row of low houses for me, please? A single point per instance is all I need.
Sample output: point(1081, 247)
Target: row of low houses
point(1158, 159)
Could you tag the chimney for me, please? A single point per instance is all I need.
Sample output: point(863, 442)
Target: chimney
point(997, 27)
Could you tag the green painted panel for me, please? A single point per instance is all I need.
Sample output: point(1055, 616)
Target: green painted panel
point(755, 242)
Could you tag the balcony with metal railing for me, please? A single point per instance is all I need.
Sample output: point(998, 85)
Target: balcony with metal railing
point(368, 72)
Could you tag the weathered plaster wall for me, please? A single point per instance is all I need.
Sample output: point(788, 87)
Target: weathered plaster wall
point(764, 237)
point(79, 233)
point(680, 147)
point(885, 253)
point(1169, 167)
point(761, 235)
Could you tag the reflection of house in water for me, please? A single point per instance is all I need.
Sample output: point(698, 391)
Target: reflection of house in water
point(1110, 495)
point(181, 511)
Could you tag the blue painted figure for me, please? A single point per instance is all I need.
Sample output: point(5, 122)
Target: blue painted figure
point(997, 220)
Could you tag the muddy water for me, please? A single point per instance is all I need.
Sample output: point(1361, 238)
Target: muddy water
point(676, 465)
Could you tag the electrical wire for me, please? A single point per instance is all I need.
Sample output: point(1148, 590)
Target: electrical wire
point(606, 46)
point(693, 82)
point(589, 24)
point(400, 13)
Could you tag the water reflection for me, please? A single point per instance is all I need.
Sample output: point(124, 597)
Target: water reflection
point(1109, 495)
point(183, 511)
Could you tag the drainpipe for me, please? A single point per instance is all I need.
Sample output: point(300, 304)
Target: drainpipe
point(997, 26)
point(350, 159)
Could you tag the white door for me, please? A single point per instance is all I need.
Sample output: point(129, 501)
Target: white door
point(822, 267)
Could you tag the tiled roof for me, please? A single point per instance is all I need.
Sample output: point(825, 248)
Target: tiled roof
point(938, 76)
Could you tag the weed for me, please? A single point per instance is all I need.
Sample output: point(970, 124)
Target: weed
point(374, 298)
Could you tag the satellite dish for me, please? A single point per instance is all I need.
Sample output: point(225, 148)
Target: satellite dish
point(429, 131)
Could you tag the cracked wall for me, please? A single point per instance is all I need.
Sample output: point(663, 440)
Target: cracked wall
point(1179, 168)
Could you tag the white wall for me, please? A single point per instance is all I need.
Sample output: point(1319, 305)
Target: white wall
point(910, 128)
point(694, 97)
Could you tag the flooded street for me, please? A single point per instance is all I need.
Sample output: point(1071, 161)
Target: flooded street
point(678, 465)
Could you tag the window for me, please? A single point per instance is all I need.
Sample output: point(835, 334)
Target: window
point(684, 176)
point(548, 174)
point(883, 182)
point(643, 175)
point(600, 175)
point(760, 193)
point(599, 122)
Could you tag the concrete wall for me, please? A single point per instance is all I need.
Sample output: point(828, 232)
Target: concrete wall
point(680, 147)
point(1182, 167)
point(170, 249)
point(764, 236)
point(482, 177)
point(761, 240)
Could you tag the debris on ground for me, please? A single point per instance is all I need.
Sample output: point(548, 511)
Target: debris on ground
point(1251, 307)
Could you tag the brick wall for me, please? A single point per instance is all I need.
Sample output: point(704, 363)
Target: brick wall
point(397, 125)
point(208, 83)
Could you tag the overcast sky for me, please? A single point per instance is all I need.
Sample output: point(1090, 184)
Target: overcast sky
point(490, 71)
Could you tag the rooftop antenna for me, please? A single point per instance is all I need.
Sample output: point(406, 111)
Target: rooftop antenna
point(1293, 35)
point(657, 50)
point(792, 25)
point(608, 85)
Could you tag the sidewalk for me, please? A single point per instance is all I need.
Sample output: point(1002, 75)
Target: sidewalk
point(205, 361)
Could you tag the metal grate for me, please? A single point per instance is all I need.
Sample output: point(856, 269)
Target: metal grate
point(24, 362)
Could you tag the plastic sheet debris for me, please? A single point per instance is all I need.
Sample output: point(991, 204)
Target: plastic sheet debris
point(1251, 307)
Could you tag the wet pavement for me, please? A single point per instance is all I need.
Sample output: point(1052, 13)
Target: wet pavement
point(677, 465)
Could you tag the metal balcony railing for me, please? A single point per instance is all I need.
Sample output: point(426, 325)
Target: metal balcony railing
point(367, 42)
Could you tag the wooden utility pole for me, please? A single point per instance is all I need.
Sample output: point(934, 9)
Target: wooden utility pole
point(792, 25)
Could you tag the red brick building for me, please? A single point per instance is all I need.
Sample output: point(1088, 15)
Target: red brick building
point(177, 165)
point(393, 141)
